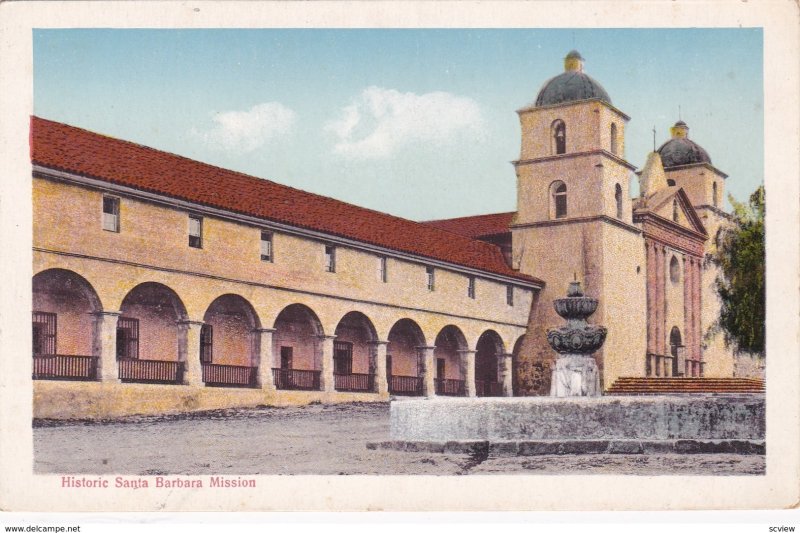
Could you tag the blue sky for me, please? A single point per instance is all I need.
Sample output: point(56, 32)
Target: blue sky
point(417, 123)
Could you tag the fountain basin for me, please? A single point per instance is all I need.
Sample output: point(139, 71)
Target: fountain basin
point(608, 418)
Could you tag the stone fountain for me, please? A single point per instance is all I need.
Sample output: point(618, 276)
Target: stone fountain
point(575, 418)
point(575, 372)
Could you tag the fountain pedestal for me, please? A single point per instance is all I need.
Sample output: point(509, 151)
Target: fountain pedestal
point(575, 372)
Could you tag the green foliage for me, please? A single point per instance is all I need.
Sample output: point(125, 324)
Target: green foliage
point(740, 284)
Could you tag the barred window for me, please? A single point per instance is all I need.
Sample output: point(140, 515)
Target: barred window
point(127, 338)
point(330, 259)
point(342, 357)
point(509, 295)
point(471, 287)
point(430, 278)
point(44, 333)
point(111, 214)
point(383, 273)
point(266, 246)
point(206, 344)
point(195, 231)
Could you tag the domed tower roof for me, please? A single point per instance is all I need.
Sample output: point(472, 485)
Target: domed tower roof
point(680, 150)
point(572, 85)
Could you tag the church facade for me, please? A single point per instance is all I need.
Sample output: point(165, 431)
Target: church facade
point(164, 284)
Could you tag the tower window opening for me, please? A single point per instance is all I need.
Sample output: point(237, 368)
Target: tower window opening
point(674, 210)
point(618, 199)
point(614, 139)
point(714, 196)
point(559, 137)
point(558, 191)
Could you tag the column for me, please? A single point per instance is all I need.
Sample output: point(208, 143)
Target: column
point(468, 365)
point(189, 351)
point(651, 286)
point(265, 362)
point(104, 344)
point(698, 313)
point(660, 281)
point(688, 307)
point(506, 373)
point(425, 353)
point(378, 363)
point(325, 351)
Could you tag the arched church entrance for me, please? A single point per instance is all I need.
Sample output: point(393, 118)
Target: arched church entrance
point(676, 351)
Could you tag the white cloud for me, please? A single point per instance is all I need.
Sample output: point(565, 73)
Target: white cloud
point(246, 131)
point(380, 122)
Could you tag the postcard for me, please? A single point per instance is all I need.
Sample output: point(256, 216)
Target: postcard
point(399, 256)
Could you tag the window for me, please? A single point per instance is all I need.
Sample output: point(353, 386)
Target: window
point(559, 132)
point(618, 199)
point(266, 246)
point(671, 182)
point(44, 333)
point(471, 287)
point(330, 259)
point(558, 192)
point(286, 357)
point(127, 338)
point(383, 273)
point(510, 295)
point(206, 344)
point(714, 197)
point(111, 214)
point(674, 270)
point(342, 357)
point(674, 210)
point(614, 139)
point(429, 277)
point(195, 231)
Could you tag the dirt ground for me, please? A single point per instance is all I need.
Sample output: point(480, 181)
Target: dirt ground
point(314, 439)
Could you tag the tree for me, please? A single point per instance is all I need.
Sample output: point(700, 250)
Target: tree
point(740, 283)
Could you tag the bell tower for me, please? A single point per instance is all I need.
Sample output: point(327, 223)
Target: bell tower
point(574, 214)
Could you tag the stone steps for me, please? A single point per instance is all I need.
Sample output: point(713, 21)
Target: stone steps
point(678, 385)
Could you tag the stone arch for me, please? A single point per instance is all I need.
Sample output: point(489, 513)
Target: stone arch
point(63, 303)
point(297, 347)
point(403, 364)
point(354, 346)
point(148, 326)
point(558, 199)
point(450, 344)
point(539, 373)
point(558, 135)
point(487, 364)
point(228, 336)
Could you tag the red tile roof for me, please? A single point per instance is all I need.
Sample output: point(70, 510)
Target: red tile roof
point(74, 150)
point(476, 226)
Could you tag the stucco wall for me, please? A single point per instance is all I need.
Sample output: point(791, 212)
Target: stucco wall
point(153, 246)
point(588, 127)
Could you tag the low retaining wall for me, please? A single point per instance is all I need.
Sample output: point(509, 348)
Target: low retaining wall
point(98, 400)
point(653, 418)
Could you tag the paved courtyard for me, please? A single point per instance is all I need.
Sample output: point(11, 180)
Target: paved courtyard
point(313, 439)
